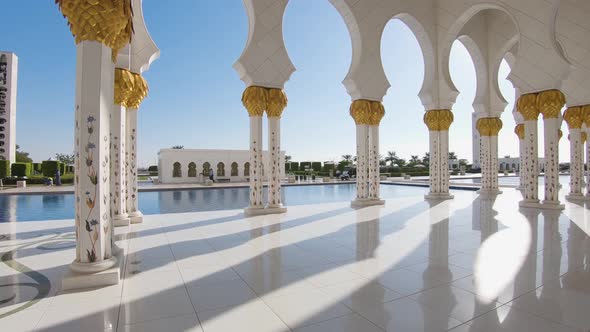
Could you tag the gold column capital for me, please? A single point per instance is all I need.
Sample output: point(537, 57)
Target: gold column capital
point(109, 22)
point(254, 100)
point(584, 137)
point(550, 103)
point(124, 83)
point(140, 91)
point(438, 120)
point(586, 115)
point(276, 102)
point(573, 117)
point(560, 134)
point(377, 113)
point(489, 126)
point(519, 131)
point(360, 111)
point(527, 106)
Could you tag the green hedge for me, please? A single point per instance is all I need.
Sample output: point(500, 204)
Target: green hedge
point(37, 167)
point(316, 166)
point(153, 168)
point(293, 166)
point(328, 167)
point(304, 164)
point(68, 179)
point(4, 168)
point(63, 168)
point(21, 169)
point(49, 167)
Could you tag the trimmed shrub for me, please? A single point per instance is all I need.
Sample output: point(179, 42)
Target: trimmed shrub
point(4, 168)
point(304, 165)
point(49, 167)
point(328, 167)
point(21, 169)
point(68, 179)
point(316, 166)
point(153, 168)
point(62, 168)
point(36, 168)
point(293, 166)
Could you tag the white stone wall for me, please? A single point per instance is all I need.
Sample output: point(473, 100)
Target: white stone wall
point(8, 85)
point(167, 158)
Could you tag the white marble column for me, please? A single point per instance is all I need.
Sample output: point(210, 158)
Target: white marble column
point(434, 165)
point(275, 165)
point(488, 129)
point(256, 186)
point(362, 165)
point(519, 131)
point(576, 165)
point(588, 161)
point(131, 192)
point(118, 174)
point(527, 106)
point(374, 174)
point(550, 104)
point(551, 127)
point(94, 100)
point(438, 123)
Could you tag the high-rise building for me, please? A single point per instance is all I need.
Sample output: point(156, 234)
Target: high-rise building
point(8, 76)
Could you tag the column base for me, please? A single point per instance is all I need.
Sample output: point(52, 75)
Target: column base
point(530, 203)
point(367, 202)
point(552, 205)
point(489, 192)
point(575, 197)
point(259, 211)
point(136, 217)
point(439, 196)
point(88, 275)
point(121, 220)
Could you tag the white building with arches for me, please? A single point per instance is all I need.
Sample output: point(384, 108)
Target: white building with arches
point(195, 165)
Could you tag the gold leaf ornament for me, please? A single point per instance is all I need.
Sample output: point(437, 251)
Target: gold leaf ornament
point(109, 22)
point(139, 92)
point(489, 126)
point(438, 120)
point(254, 99)
point(527, 106)
point(124, 84)
point(550, 103)
point(573, 117)
point(276, 102)
point(519, 131)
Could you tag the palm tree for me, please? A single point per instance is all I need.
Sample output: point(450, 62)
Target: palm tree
point(391, 157)
point(414, 160)
point(426, 159)
point(178, 147)
point(287, 159)
point(347, 158)
point(452, 156)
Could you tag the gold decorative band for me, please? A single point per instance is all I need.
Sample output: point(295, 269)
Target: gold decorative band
point(257, 99)
point(584, 137)
point(550, 103)
point(139, 92)
point(109, 22)
point(519, 131)
point(367, 112)
point(573, 117)
point(438, 120)
point(560, 134)
point(489, 126)
point(124, 83)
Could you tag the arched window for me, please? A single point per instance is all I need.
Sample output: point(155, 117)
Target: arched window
point(176, 172)
point(220, 169)
point(192, 170)
point(247, 169)
point(206, 169)
point(234, 169)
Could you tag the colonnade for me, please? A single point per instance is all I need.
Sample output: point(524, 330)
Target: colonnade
point(257, 100)
point(578, 122)
point(109, 90)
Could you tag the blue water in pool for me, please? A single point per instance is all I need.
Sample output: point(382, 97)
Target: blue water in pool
point(54, 207)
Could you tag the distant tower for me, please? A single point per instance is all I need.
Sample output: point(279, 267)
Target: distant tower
point(8, 75)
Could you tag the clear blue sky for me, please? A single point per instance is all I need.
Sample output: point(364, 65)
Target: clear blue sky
point(195, 94)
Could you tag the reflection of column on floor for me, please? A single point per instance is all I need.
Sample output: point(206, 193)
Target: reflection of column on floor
point(9, 294)
point(526, 280)
point(519, 131)
point(438, 260)
point(551, 271)
point(550, 103)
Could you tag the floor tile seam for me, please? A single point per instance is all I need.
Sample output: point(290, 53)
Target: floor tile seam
point(125, 253)
point(539, 316)
point(191, 300)
point(352, 313)
point(155, 319)
point(261, 298)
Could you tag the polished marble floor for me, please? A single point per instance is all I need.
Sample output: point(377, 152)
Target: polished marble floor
point(469, 264)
